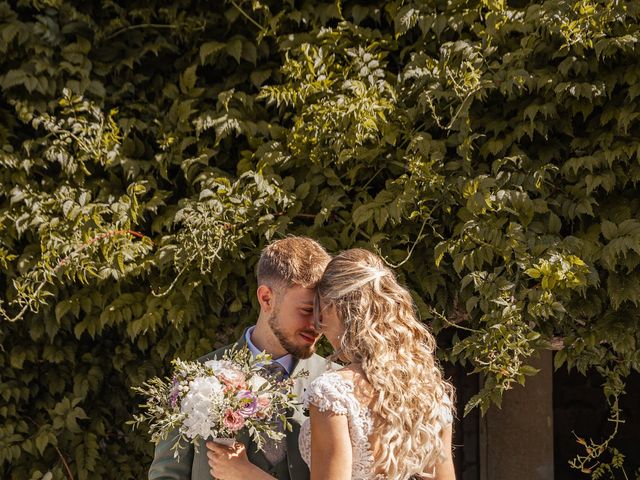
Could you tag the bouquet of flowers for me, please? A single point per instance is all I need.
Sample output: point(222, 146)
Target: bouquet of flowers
point(216, 399)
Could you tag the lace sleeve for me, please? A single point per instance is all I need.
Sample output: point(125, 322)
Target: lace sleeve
point(329, 392)
point(445, 412)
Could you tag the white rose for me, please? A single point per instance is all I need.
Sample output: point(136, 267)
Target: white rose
point(256, 381)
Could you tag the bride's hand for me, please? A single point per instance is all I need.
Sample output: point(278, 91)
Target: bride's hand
point(228, 463)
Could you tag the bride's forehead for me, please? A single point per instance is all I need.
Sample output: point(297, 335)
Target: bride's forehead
point(327, 309)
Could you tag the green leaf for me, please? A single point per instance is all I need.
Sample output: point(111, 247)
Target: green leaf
point(302, 190)
point(362, 214)
point(120, 260)
point(188, 79)
point(234, 48)
point(439, 251)
point(528, 370)
point(472, 403)
point(258, 77)
point(13, 78)
point(609, 230)
point(61, 309)
point(406, 18)
point(533, 272)
point(17, 358)
point(555, 224)
point(207, 49)
point(559, 358)
point(42, 441)
point(249, 52)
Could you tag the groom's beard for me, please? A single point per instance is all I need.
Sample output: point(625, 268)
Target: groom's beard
point(298, 351)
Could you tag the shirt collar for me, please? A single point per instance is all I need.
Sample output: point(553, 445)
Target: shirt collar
point(287, 361)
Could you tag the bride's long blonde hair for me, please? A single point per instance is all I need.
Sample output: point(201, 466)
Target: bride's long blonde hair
point(397, 354)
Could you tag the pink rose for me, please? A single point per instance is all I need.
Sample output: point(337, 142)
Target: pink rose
point(234, 421)
point(263, 403)
point(227, 373)
point(233, 379)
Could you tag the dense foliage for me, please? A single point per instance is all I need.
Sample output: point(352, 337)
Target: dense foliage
point(488, 149)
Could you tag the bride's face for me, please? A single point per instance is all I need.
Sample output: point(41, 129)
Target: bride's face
point(331, 326)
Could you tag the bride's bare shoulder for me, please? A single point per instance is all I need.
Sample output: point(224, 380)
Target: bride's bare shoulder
point(357, 377)
point(351, 371)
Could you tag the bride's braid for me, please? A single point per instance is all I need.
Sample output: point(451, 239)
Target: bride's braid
point(397, 354)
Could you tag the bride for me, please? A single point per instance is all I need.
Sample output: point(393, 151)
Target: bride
point(387, 413)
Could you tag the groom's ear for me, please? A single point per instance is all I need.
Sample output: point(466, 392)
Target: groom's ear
point(265, 297)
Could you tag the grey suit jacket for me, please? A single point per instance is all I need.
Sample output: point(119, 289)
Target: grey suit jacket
point(193, 465)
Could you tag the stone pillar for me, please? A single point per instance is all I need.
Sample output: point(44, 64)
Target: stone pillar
point(516, 442)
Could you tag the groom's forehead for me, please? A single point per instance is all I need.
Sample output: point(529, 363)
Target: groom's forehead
point(300, 295)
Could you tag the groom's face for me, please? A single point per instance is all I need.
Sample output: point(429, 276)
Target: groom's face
point(292, 321)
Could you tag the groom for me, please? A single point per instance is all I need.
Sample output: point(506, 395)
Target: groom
point(288, 271)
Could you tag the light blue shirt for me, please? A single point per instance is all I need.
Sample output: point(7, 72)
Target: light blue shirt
point(287, 361)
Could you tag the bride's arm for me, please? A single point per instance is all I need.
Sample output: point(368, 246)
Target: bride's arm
point(330, 445)
point(445, 470)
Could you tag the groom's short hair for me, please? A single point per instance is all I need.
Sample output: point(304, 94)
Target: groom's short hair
point(292, 261)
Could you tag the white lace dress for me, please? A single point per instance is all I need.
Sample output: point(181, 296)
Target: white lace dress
point(330, 391)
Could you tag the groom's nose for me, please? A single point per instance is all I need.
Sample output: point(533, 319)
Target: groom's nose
point(311, 326)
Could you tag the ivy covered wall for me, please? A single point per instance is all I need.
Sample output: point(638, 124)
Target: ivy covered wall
point(489, 149)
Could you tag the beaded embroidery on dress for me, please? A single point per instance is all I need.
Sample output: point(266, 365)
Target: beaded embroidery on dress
point(332, 392)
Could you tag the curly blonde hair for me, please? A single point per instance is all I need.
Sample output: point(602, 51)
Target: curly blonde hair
point(397, 355)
